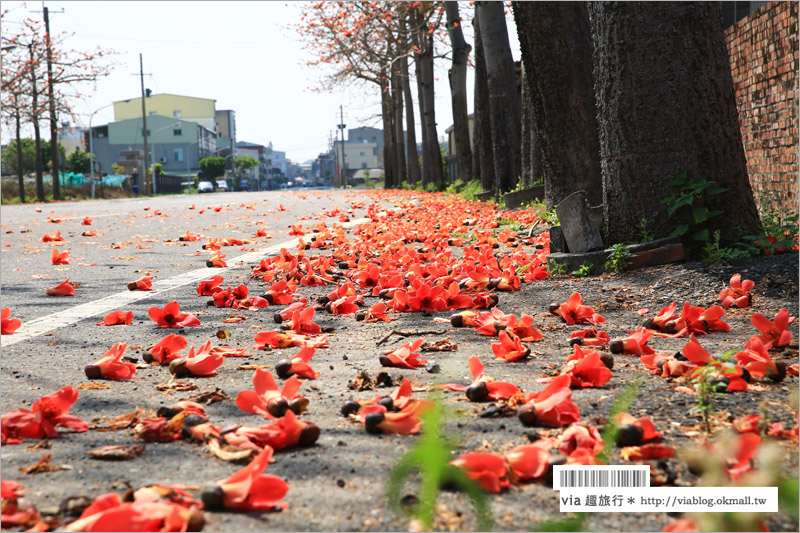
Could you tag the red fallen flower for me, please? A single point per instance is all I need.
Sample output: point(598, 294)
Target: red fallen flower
point(644, 430)
point(297, 230)
point(62, 289)
point(748, 424)
point(647, 452)
point(510, 348)
point(189, 237)
point(268, 399)
point(455, 298)
point(710, 320)
point(375, 313)
point(483, 387)
point(739, 292)
point(303, 322)
point(167, 349)
point(46, 413)
point(404, 356)
point(110, 366)
point(286, 314)
point(582, 456)
point(249, 489)
point(586, 369)
point(109, 513)
point(741, 462)
point(210, 286)
point(345, 306)
point(216, 261)
point(117, 318)
point(681, 525)
point(696, 353)
point(55, 238)
point(666, 365)
point(378, 419)
point(59, 258)
point(87, 221)
point(578, 436)
point(8, 325)
point(286, 432)
point(551, 406)
point(530, 461)
point(202, 363)
point(145, 283)
point(280, 293)
point(634, 343)
point(401, 397)
point(171, 317)
point(757, 361)
point(277, 339)
point(229, 351)
point(298, 365)
point(774, 333)
point(591, 337)
point(574, 312)
point(427, 298)
point(488, 469)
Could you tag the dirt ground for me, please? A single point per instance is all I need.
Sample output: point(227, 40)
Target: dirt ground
point(339, 483)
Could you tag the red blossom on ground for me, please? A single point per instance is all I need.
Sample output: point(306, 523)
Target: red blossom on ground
point(510, 348)
point(110, 365)
point(59, 258)
point(249, 489)
point(591, 337)
point(8, 325)
point(64, 288)
point(488, 469)
point(406, 421)
point(634, 344)
point(551, 406)
point(404, 356)
point(171, 317)
point(55, 238)
point(739, 292)
point(210, 286)
point(574, 312)
point(268, 399)
point(298, 365)
point(145, 283)
point(204, 362)
point(483, 387)
point(303, 322)
point(586, 369)
point(579, 436)
point(168, 348)
point(755, 358)
point(774, 333)
point(216, 261)
point(41, 421)
point(117, 318)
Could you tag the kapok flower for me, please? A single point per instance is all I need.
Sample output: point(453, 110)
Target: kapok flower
point(483, 387)
point(87, 221)
point(297, 365)
point(8, 325)
point(109, 513)
point(280, 293)
point(696, 353)
point(202, 363)
point(117, 318)
point(166, 350)
point(635, 431)
point(64, 288)
point(745, 448)
point(404, 356)
point(755, 358)
point(248, 489)
point(303, 322)
point(589, 337)
point(574, 312)
point(268, 399)
point(210, 286)
point(286, 432)
point(110, 366)
point(59, 258)
point(216, 261)
point(739, 292)
point(510, 348)
point(579, 436)
point(488, 469)
point(278, 339)
point(286, 314)
point(529, 461)
point(406, 421)
point(634, 343)
point(145, 283)
point(586, 369)
point(374, 313)
point(666, 365)
point(46, 413)
point(171, 316)
point(55, 238)
point(774, 333)
point(551, 406)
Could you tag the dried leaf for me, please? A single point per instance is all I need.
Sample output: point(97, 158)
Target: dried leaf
point(94, 385)
point(442, 345)
point(45, 464)
point(176, 386)
point(209, 397)
point(251, 367)
point(123, 421)
point(363, 381)
point(231, 454)
point(117, 452)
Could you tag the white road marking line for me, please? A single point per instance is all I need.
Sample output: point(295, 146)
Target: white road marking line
point(114, 302)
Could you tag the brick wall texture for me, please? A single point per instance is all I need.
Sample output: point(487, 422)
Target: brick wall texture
point(764, 63)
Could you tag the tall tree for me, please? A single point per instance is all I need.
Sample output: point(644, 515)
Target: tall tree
point(531, 150)
point(458, 91)
point(503, 100)
point(412, 157)
point(666, 104)
point(482, 154)
point(556, 47)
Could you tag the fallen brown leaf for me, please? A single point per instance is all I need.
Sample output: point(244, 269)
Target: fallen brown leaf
point(123, 421)
point(209, 397)
point(45, 464)
point(117, 452)
point(94, 385)
point(176, 386)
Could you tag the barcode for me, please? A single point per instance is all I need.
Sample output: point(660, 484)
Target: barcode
point(601, 476)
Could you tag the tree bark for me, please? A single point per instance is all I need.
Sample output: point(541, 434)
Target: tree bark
point(556, 47)
point(458, 90)
point(401, 174)
point(36, 133)
point(531, 153)
point(483, 157)
point(20, 171)
point(389, 175)
point(412, 157)
point(503, 100)
point(666, 104)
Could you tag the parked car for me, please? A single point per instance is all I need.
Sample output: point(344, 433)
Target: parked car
point(205, 186)
point(222, 186)
point(244, 185)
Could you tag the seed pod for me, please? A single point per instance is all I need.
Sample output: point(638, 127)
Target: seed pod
point(527, 415)
point(553, 308)
point(387, 402)
point(196, 520)
point(779, 374)
point(269, 298)
point(478, 392)
point(93, 372)
point(649, 324)
point(607, 360)
point(576, 341)
point(212, 496)
point(616, 346)
point(385, 361)
point(179, 369)
point(629, 435)
point(298, 405)
point(148, 357)
point(350, 407)
point(277, 318)
point(361, 315)
point(308, 435)
point(194, 420)
point(132, 286)
point(372, 420)
point(277, 406)
point(283, 368)
point(457, 320)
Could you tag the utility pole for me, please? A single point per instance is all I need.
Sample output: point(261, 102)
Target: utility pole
point(342, 126)
point(141, 180)
point(52, 107)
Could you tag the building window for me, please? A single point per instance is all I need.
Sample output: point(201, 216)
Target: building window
point(363, 165)
point(176, 113)
point(151, 113)
point(362, 154)
point(178, 154)
point(177, 132)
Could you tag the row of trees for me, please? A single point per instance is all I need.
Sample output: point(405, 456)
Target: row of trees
point(41, 79)
point(614, 98)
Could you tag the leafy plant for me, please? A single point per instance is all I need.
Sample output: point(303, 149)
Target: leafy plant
point(538, 182)
point(708, 386)
point(619, 259)
point(556, 269)
point(645, 235)
point(690, 202)
point(584, 270)
point(470, 189)
point(550, 216)
point(780, 234)
point(715, 254)
point(430, 457)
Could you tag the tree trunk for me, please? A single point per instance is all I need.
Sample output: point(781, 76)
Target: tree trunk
point(412, 157)
point(666, 104)
point(556, 47)
point(483, 158)
point(20, 171)
point(389, 174)
point(399, 143)
point(36, 133)
point(426, 168)
point(531, 153)
point(503, 100)
point(458, 91)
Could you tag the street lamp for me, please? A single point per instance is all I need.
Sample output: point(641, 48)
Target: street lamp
point(91, 147)
point(153, 149)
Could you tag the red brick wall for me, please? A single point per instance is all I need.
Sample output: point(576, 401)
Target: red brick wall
point(764, 64)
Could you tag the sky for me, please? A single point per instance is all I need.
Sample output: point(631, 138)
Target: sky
point(244, 55)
